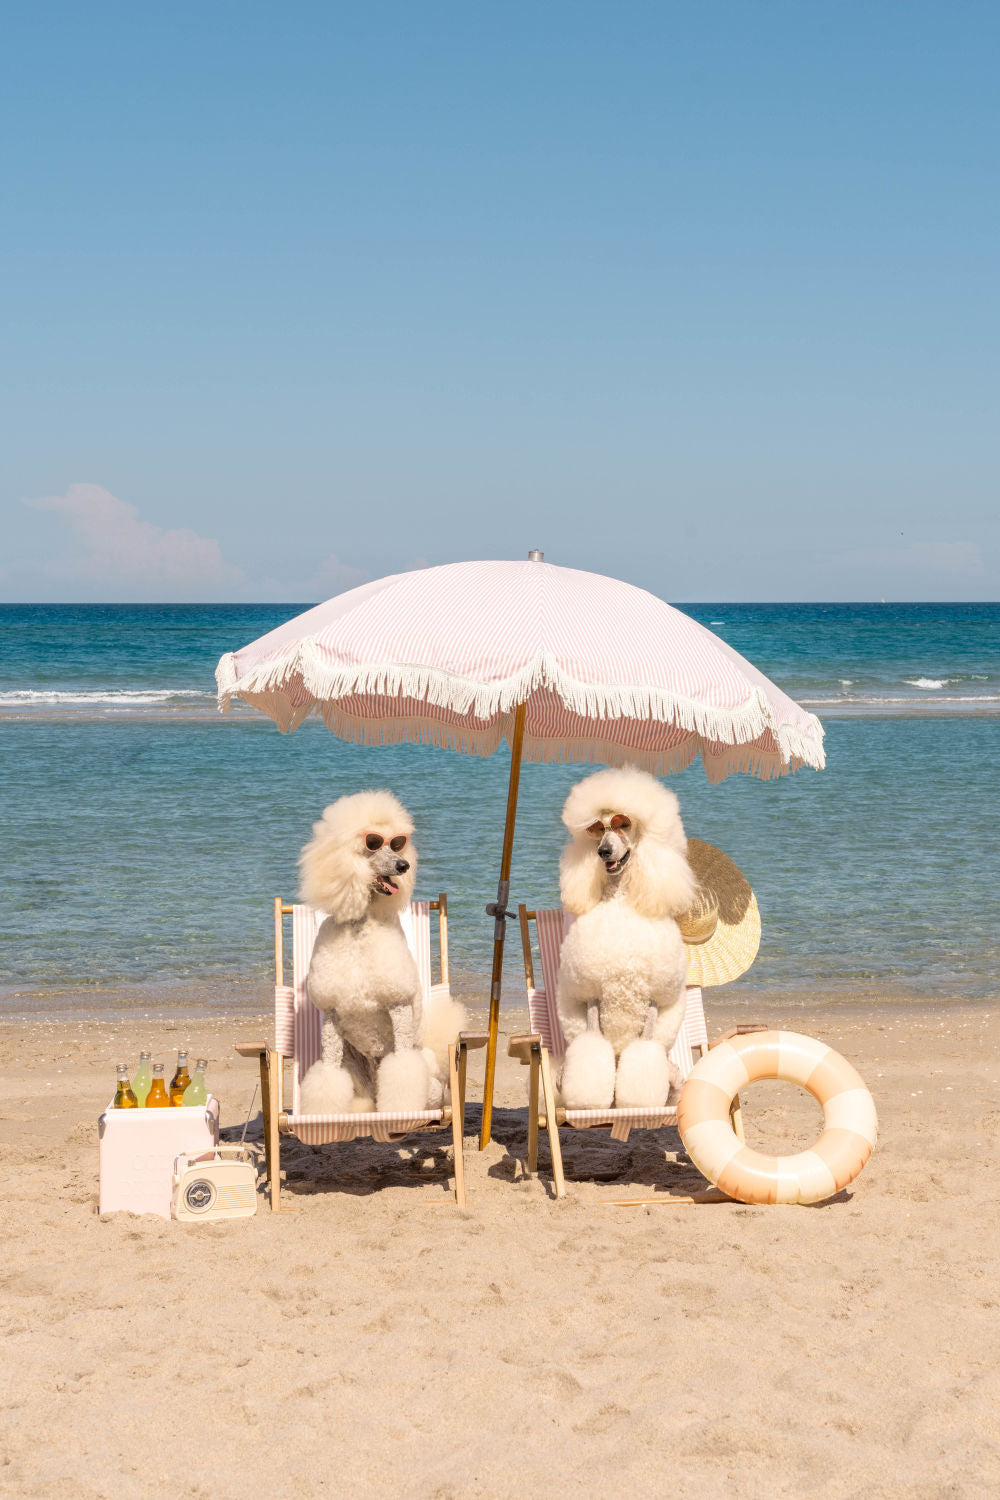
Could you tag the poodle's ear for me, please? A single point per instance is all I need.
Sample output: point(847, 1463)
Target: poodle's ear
point(580, 878)
point(661, 882)
point(335, 878)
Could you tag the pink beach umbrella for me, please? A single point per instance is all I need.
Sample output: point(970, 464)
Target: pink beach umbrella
point(561, 664)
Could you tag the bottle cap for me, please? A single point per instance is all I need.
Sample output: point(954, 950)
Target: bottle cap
point(182, 1056)
point(157, 1067)
point(122, 1069)
point(201, 1064)
point(145, 1056)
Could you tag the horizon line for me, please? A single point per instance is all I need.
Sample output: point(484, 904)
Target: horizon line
point(313, 603)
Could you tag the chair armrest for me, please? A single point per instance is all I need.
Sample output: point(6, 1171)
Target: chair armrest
point(742, 1030)
point(473, 1039)
point(252, 1049)
point(520, 1046)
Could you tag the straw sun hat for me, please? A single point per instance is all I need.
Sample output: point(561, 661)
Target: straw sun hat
point(722, 929)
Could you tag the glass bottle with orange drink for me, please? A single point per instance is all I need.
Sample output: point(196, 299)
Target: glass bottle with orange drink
point(180, 1080)
point(157, 1098)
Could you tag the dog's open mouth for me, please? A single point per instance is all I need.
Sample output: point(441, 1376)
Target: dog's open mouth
point(615, 866)
point(386, 886)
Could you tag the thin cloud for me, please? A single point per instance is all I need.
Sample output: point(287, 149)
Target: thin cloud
point(331, 576)
point(945, 557)
point(335, 577)
point(951, 559)
point(117, 554)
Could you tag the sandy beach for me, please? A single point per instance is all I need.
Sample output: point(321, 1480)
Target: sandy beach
point(450, 450)
point(373, 1340)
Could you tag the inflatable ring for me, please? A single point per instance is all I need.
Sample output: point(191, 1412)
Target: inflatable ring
point(850, 1123)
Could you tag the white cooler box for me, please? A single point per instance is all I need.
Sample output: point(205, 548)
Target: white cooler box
point(138, 1150)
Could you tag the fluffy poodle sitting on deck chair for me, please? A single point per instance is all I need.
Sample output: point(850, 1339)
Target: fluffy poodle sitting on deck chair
point(625, 877)
point(380, 1051)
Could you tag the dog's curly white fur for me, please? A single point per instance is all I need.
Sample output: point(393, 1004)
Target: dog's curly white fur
point(623, 968)
point(362, 975)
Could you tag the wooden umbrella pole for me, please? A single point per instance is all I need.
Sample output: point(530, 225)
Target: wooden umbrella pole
point(498, 911)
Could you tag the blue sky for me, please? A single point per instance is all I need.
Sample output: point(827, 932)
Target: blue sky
point(701, 295)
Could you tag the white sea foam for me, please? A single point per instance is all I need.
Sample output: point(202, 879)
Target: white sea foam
point(114, 697)
point(847, 682)
point(929, 684)
point(861, 700)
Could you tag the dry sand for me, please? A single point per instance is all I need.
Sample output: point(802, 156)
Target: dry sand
point(367, 1344)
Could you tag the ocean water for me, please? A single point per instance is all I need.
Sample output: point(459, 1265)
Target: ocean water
point(144, 835)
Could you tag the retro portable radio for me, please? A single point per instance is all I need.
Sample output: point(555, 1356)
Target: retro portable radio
point(219, 1184)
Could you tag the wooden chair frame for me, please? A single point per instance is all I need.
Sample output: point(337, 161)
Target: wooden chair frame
point(531, 1052)
point(276, 1117)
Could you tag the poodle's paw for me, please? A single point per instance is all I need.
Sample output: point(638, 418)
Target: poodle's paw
point(362, 1104)
point(437, 1088)
point(403, 1082)
point(588, 1075)
point(326, 1090)
point(443, 1020)
point(643, 1076)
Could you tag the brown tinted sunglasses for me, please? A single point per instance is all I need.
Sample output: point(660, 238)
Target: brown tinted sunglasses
point(618, 823)
point(375, 841)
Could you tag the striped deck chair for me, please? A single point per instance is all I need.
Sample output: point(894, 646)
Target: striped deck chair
point(546, 1041)
point(298, 1037)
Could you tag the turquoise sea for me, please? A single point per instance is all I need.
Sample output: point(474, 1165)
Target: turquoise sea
point(144, 834)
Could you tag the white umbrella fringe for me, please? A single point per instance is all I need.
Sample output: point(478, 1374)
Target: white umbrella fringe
point(322, 685)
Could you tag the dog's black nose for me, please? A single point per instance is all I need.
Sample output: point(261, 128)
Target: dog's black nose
point(604, 851)
point(402, 865)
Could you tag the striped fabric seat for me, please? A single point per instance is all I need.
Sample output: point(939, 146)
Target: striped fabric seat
point(298, 1031)
point(324, 1130)
point(298, 1037)
point(552, 926)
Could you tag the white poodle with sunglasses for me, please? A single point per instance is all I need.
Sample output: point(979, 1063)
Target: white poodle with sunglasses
point(625, 877)
point(379, 1051)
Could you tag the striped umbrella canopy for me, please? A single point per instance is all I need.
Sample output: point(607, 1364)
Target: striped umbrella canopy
point(606, 672)
point(562, 664)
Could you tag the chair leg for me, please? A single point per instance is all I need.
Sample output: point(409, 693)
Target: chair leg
point(265, 1110)
point(463, 1058)
point(552, 1123)
point(273, 1154)
point(457, 1121)
point(533, 1110)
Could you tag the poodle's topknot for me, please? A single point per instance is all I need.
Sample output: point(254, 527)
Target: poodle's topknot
point(654, 811)
point(659, 881)
point(336, 874)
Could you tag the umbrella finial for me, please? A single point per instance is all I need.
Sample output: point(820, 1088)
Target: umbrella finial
point(535, 556)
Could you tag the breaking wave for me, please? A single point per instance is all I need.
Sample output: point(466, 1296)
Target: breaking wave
point(100, 697)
